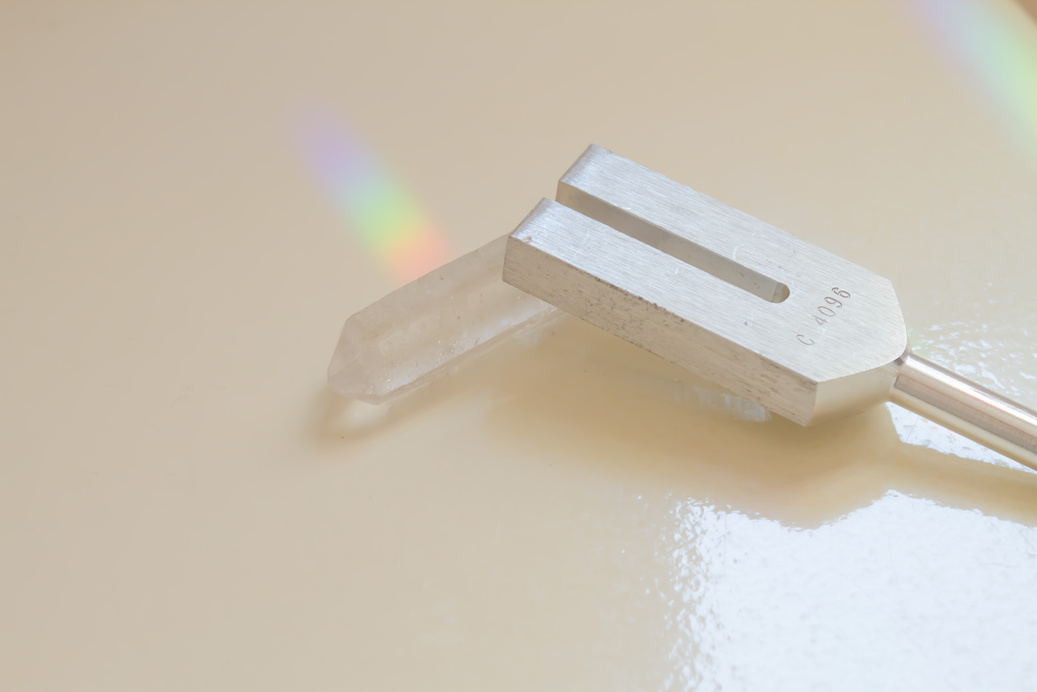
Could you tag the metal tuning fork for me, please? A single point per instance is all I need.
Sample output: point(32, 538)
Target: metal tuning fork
point(805, 333)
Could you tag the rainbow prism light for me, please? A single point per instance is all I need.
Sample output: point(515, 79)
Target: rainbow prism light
point(376, 207)
point(447, 313)
point(994, 43)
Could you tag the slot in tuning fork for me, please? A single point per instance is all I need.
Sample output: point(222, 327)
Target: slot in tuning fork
point(805, 333)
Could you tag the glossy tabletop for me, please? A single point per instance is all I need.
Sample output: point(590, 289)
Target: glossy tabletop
point(184, 505)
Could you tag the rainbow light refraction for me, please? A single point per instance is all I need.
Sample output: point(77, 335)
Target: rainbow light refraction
point(387, 220)
point(995, 41)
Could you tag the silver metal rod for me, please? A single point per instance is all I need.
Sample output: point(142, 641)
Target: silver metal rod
point(966, 408)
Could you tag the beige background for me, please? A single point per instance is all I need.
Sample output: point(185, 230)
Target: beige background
point(185, 506)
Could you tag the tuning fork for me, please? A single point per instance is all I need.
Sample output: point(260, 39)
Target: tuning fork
point(805, 333)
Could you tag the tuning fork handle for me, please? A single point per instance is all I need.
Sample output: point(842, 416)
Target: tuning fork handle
point(966, 408)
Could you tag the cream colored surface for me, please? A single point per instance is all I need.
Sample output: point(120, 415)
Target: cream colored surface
point(184, 505)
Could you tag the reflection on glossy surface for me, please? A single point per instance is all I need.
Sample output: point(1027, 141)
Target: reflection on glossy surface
point(753, 604)
point(820, 567)
point(916, 430)
point(603, 398)
point(997, 354)
point(184, 505)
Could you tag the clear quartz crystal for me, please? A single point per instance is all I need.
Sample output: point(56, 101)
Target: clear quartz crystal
point(432, 325)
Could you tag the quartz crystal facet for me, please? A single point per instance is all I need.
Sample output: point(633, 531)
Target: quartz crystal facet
point(432, 325)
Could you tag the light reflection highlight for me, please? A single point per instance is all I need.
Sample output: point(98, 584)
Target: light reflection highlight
point(916, 430)
point(753, 604)
point(998, 355)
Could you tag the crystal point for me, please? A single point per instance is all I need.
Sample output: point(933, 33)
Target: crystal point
point(432, 324)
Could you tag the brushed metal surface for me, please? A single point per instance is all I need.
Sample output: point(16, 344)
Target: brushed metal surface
point(806, 333)
point(693, 280)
